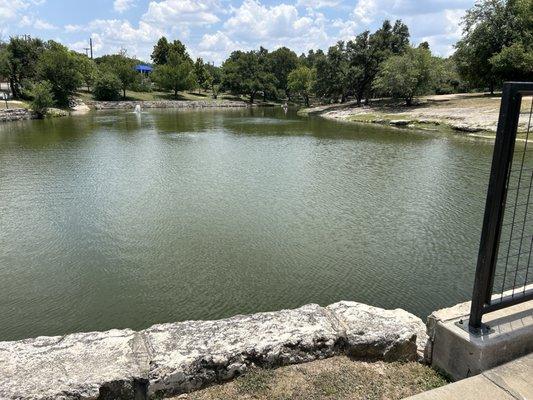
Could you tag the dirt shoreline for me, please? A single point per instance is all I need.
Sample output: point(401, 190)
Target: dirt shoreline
point(473, 115)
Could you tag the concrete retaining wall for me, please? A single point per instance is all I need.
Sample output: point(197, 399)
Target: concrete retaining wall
point(130, 105)
point(175, 358)
point(15, 114)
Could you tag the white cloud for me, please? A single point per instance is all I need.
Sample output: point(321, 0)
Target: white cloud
point(189, 12)
point(318, 3)
point(39, 24)
point(111, 35)
point(254, 21)
point(365, 10)
point(9, 9)
point(445, 33)
point(123, 5)
point(43, 25)
point(73, 28)
point(217, 46)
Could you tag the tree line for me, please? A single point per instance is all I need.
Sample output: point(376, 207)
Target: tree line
point(497, 45)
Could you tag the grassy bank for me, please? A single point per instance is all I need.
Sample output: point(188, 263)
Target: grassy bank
point(184, 96)
point(337, 378)
point(475, 114)
point(13, 104)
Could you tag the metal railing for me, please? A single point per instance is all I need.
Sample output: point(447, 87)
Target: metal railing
point(505, 251)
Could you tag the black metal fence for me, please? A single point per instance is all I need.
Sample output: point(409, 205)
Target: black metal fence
point(505, 252)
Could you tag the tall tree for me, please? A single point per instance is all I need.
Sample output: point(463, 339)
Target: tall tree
point(214, 78)
point(301, 82)
point(88, 70)
point(19, 61)
point(201, 74)
point(244, 73)
point(406, 75)
point(490, 27)
point(163, 48)
point(333, 74)
point(280, 63)
point(176, 75)
point(59, 66)
point(123, 67)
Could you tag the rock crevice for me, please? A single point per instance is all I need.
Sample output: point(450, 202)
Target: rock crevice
point(174, 358)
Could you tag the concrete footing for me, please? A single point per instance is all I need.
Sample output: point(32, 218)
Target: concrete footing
point(459, 354)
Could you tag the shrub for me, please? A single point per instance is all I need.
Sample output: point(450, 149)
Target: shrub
point(107, 87)
point(42, 98)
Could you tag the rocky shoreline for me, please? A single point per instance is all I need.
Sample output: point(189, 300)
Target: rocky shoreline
point(16, 114)
point(175, 358)
point(130, 105)
point(473, 115)
point(79, 107)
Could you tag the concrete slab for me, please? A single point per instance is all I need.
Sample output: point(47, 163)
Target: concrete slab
point(513, 380)
point(515, 377)
point(475, 388)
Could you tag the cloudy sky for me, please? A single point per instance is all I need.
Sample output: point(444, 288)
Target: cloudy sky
point(213, 28)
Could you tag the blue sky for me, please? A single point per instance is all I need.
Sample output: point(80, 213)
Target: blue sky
point(213, 28)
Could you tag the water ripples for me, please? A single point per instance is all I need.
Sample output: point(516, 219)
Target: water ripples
point(109, 220)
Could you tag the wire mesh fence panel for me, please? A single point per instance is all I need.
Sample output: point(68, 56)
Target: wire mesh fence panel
point(505, 256)
point(513, 264)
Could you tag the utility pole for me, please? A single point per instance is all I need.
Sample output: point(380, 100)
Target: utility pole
point(86, 51)
point(91, 46)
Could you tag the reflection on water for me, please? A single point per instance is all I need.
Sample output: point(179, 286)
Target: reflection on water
point(125, 220)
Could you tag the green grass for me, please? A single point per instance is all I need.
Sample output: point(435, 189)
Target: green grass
point(337, 378)
point(14, 104)
point(86, 95)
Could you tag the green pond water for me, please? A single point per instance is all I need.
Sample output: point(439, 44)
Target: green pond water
point(113, 220)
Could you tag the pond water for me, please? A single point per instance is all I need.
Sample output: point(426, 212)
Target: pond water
point(113, 220)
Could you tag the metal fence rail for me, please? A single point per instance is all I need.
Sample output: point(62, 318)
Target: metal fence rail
point(505, 251)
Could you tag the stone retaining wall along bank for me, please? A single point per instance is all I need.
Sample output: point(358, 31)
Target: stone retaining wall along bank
point(130, 105)
point(180, 357)
point(15, 114)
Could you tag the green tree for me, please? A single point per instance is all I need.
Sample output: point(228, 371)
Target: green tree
point(407, 75)
point(244, 73)
point(176, 75)
point(87, 69)
point(107, 86)
point(311, 58)
point(201, 74)
point(163, 48)
point(514, 62)
point(59, 66)
point(333, 74)
point(214, 78)
point(301, 81)
point(123, 67)
point(42, 98)
point(447, 77)
point(366, 53)
point(280, 63)
point(19, 61)
point(490, 27)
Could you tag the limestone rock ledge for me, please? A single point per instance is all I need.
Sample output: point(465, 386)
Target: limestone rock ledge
point(180, 357)
point(15, 114)
point(188, 104)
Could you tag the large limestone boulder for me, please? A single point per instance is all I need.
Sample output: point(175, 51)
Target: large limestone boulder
point(78, 366)
point(180, 357)
point(189, 355)
point(375, 333)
